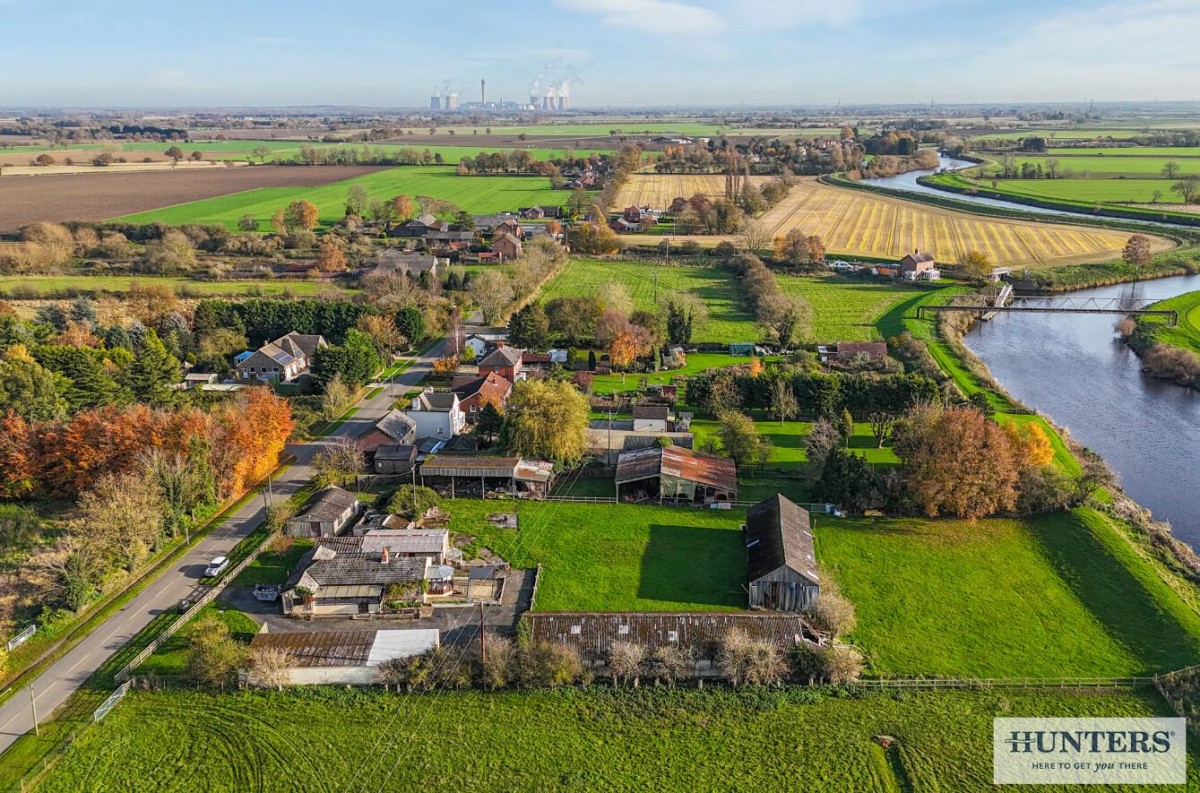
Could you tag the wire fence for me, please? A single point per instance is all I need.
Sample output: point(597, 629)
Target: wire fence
point(969, 683)
point(126, 671)
point(31, 776)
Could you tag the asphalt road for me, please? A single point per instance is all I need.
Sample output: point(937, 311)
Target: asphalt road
point(52, 688)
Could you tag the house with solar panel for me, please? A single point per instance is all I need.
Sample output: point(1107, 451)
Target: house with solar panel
point(281, 360)
point(781, 561)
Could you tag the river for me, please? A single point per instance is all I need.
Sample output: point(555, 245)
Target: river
point(1072, 368)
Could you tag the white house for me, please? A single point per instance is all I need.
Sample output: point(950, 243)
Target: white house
point(651, 418)
point(437, 414)
point(483, 341)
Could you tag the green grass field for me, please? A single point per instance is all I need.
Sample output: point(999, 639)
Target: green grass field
point(1114, 164)
point(1057, 595)
point(478, 194)
point(850, 310)
point(119, 284)
point(1085, 191)
point(618, 557)
point(728, 320)
point(1164, 152)
point(599, 739)
point(1187, 333)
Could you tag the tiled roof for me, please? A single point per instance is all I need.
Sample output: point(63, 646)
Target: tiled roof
point(435, 401)
point(779, 534)
point(502, 356)
point(351, 568)
point(661, 412)
point(329, 504)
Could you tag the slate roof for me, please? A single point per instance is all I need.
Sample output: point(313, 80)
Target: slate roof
point(324, 567)
point(435, 401)
point(401, 452)
point(306, 342)
point(915, 258)
point(502, 356)
point(693, 466)
point(398, 426)
point(329, 504)
point(779, 534)
point(492, 388)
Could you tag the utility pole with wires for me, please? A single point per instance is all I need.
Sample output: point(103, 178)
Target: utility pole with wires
point(482, 640)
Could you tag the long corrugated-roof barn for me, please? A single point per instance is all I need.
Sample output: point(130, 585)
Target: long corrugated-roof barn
point(781, 562)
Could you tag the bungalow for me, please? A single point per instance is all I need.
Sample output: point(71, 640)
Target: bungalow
point(437, 414)
point(541, 212)
point(328, 583)
point(326, 515)
point(431, 544)
point(623, 226)
point(342, 657)
point(781, 565)
point(284, 359)
point(507, 245)
point(409, 263)
point(476, 392)
point(845, 351)
point(197, 380)
point(508, 362)
point(678, 474)
point(483, 341)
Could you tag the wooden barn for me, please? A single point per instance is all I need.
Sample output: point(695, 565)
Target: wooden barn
point(781, 564)
point(326, 515)
point(676, 474)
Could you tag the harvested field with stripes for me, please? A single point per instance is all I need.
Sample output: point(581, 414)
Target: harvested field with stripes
point(856, 222)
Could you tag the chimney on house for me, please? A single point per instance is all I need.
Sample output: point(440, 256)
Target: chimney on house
point(383, 558)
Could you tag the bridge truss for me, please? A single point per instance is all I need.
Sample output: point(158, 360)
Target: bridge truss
point(1058, 305)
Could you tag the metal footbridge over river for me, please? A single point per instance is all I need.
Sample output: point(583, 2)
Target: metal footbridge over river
point(1005, 303)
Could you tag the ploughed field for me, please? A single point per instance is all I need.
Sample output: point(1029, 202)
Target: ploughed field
point(478, 194)
point(93, 197)
point(599, 739)
point(860, 223)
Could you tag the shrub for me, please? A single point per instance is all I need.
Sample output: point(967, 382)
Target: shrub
point(268, 668)
point(413, 501)
point(744, 661)
point(832, 612)
point(625, 661)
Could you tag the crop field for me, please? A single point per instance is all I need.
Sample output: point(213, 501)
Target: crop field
point(659, 190)
point(1187, 333)
point(479, 194)
point(20, 285)
point(955, 598)
point(100, 196)
point(856, 222)
point(618, 557)
point(597, 739)
point(728, 320)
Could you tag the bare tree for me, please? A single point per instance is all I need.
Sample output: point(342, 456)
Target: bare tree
point(268, 668)
point(832, 612)
point(625, 661)
point(882, 422)
point(670, 663)
point(747, 662)
point(340, 460)
point(1170, 169)
point(754, 237)
point(783, 399)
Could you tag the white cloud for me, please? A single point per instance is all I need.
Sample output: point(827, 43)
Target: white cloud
point(664, 17)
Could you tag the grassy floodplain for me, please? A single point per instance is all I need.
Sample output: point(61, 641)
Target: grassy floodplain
point(601, 739)
point(479, 194)
point(1186, 334)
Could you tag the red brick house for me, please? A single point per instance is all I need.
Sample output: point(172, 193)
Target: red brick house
point(916, 263)
point(475, 392)
point(508, 246)
point(504, 361)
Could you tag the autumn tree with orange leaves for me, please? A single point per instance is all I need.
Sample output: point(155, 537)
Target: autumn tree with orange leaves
point(957, 462)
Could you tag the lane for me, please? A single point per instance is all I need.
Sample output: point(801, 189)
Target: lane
point(57, 683)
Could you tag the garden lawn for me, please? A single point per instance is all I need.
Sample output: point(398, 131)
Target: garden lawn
point(617, 557)
point(850, 310)
point(271, 567)
point(571, 740)
point(697, 362)
point(1186, 334)
point(1057, 595)
point(477, 194)
point(728, 320)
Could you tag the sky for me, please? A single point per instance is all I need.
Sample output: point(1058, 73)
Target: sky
point(626, 53)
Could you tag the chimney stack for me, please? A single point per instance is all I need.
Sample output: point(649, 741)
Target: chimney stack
point(383, 558)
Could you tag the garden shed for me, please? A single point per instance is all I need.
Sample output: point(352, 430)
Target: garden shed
point(676, 474)
point(326, 515)
point(781, 563)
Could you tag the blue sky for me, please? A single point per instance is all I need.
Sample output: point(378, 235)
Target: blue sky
point(624, 52)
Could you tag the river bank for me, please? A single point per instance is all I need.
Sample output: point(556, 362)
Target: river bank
point(1169, 353)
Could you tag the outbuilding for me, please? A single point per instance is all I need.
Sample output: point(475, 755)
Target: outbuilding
point(781, 563)
point(326, 515)
point(677, 474)
point(343, 657)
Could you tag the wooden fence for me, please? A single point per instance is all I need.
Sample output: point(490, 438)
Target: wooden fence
point(127, 670)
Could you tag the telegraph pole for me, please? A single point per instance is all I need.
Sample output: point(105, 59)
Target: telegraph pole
point(482, 640)
point(33, 707)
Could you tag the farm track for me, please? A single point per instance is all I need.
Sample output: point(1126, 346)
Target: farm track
point(859, 223)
